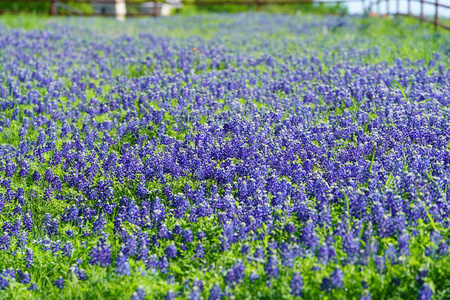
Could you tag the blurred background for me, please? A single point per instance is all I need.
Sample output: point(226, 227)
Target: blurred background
point(425, 9)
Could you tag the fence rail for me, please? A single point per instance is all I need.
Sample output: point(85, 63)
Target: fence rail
point(57, 5)
point(421, 16)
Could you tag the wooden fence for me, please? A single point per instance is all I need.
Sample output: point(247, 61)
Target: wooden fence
point(421, 16)
point(368, 6)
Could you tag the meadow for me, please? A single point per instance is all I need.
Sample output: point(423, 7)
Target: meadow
point(224, 156)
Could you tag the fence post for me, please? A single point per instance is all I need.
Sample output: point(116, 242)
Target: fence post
point(436, 15)
point(421, 11)
point(155, 8)
point(398, 8)
point(120, 8)
point(258, 5)
point(387, 7)
point(52, 7)
point(409, 8)
point(378, 7)
point(363, 4)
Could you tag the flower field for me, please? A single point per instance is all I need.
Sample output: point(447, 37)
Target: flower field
point(245, 156)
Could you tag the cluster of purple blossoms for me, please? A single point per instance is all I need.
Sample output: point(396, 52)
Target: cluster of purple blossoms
point(246, 156)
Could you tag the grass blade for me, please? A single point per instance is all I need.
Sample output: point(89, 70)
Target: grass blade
point(373, 158)
point(401, 89)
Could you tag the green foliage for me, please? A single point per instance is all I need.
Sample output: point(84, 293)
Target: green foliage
point(190, 9)
point(392, 39)
point(36, 7)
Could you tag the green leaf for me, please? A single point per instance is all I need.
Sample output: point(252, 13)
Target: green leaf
point(401, 89)
point(389, 178)
point(424, 101)
point(373, 158)
point(347, 202)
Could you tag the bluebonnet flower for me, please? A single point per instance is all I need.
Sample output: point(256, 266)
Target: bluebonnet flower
point(24, 277)
point(67, 249)
point(253, 276)
point(228, 237)
point(335, 281)
point(142, 191)
point(71, 213)
point(158, 211)
point(194, 294)
point(187, 236)
point(201, 235)
point(403, 244)
point(4, 283)
point(366, 295)
point(50, 225)
point(46, 244)
point(5, 242)
point(290, 228)
point(425, 293)
point(245, 249)
point(308, 236)
point(215, 293)
point(296, 285)
point(22, 240)
point(235, 274)
point(59, 283)
point(351, 246)
point(170, 295)
point(122, 265)
point(271, 267)
point(259, 253)
point(56, 247)
point(139, 294)
point(325, 253)
point(199, 251)
point(100, 254)
point(29, 258)
point(391, 254)
point(36, 176)
point(7, 227)
point(78, 272)
point(164, 233)
point(380, 263)
point(443, 249)
point(421, 275)
point(28, 221)
point(10, 169)
point(177, 229)
point(151, 263)
point(171, 251)
point(129, 245)
point(163, 264)
point(24, 169)
point(15, 229)
point(2, 204)
point(199, 284)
